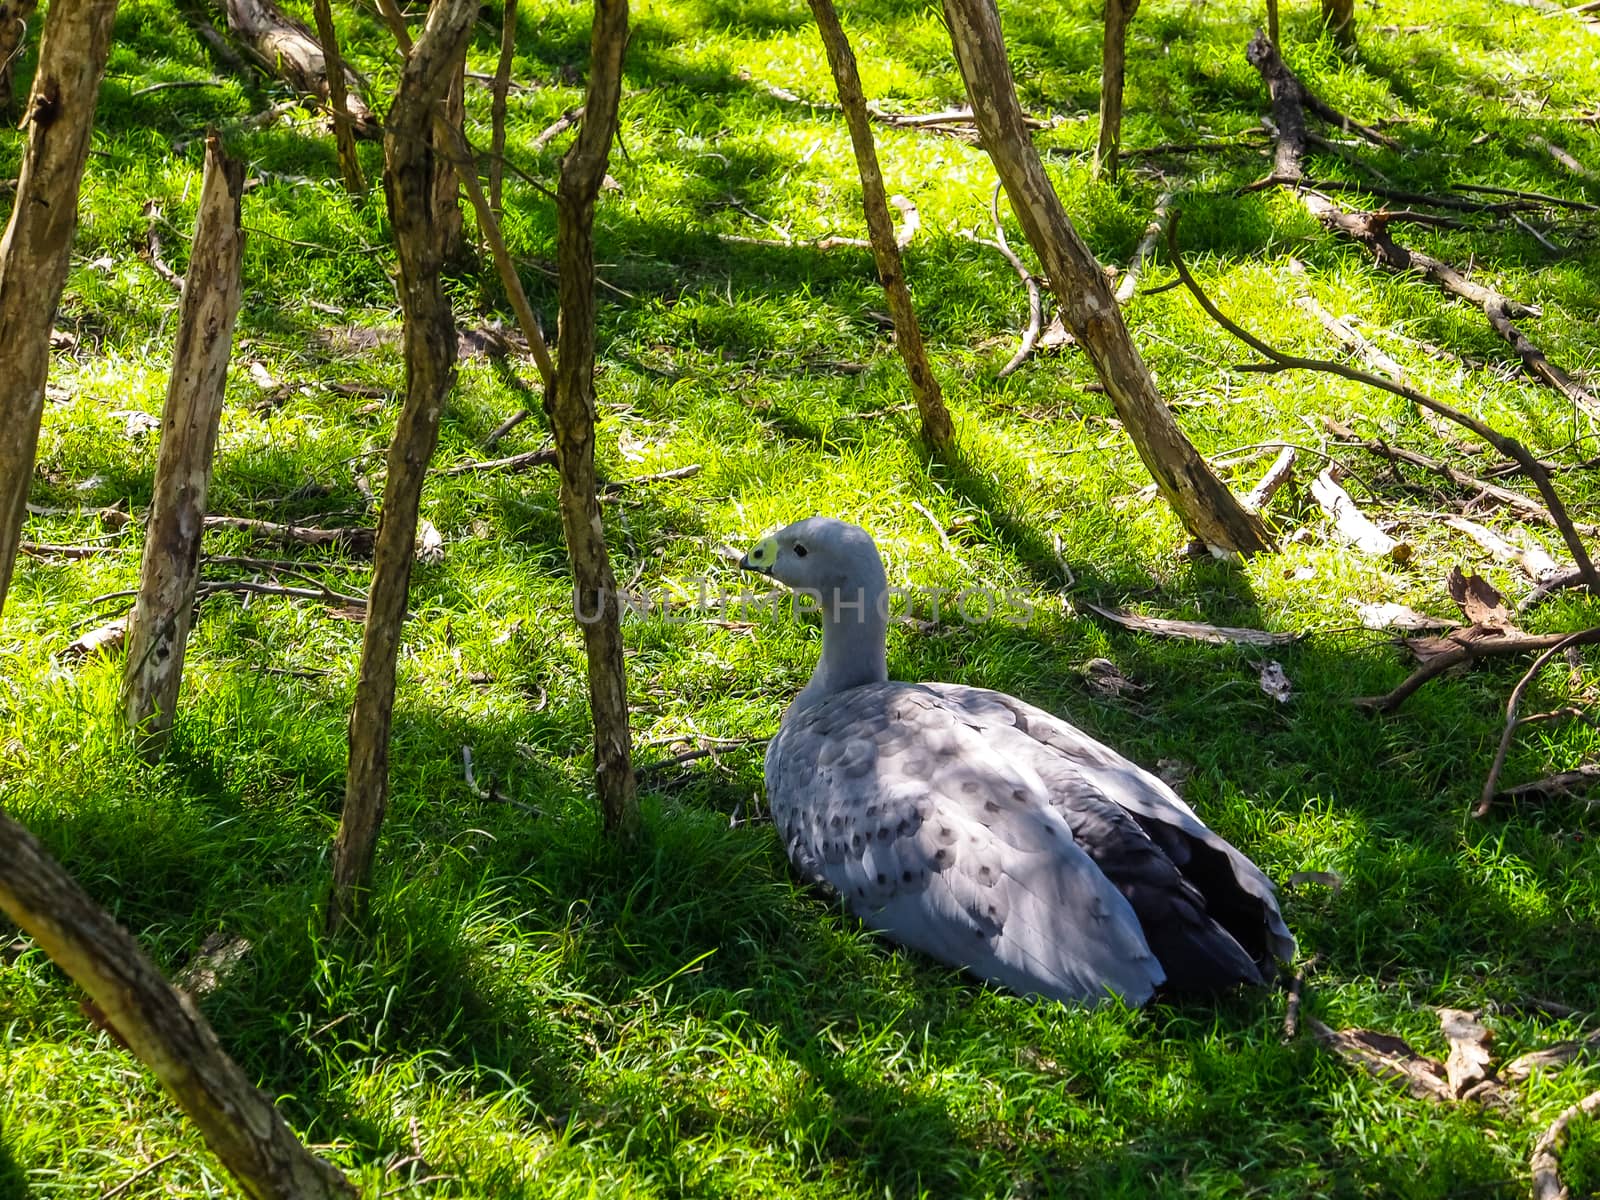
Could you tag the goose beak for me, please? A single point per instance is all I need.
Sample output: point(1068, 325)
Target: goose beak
point(762, 557)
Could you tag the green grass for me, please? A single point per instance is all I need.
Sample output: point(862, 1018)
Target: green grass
point(538, 1013)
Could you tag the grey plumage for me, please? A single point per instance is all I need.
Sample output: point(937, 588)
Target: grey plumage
point(987, 833)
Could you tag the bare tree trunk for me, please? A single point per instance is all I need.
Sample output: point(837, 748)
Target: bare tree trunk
point(1112, 63)
point(35, 251)
point(936, 427)
point(571, 405)
point(497, 112)
point(286, 50)
point(452, 141)
point(450, 232)
point(159, 628)
point(344, 134)
point(409, 181)
point(14, 18)
point(1272, 20)
point(1088, 308)
point(1340, 18)
point(160, 1024)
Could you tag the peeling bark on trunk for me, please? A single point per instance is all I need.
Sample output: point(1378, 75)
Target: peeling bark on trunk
point(936, 427)
point(160, 1024)
point(35, 251)
point(285, 49)
point(1088, 309)
point(158, 631)
point(571, 406)
point(14, 18)
point(1113, 62)
point(339, 101)
point(430, 350)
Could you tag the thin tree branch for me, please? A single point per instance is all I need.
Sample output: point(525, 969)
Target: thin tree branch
point(1491, 783)
point(1510, 447)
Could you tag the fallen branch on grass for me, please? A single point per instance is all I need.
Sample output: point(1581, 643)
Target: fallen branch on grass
point(1524, 506)
point(709, 748)
point(1558, 786)
point(1278, 475)
point(545, 456)
point(286, 50)
point(1534, 561)
point(1352, 524)
point(1550, 1057)
point(1491, 783)
point(1030, 335)
point(609, 486)
point(1129, 283)
point(1465, 646)
point(1278, 361)
point(1194, 631)
point(1290, 101)
point(356, 540)
point(1546, 1160)
point(52, 550)
point(1384, 1056)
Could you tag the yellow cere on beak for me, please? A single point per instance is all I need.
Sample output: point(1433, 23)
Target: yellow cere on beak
point(762, 557)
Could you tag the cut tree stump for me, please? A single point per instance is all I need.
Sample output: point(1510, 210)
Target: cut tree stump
point(158, 631)
point(571, 408)
point(430, 352)
point(37, 245)
point(159, 1024)
point(1088, 309)
point(285, 49)
point(937, 429)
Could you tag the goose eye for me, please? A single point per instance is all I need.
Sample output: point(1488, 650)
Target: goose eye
point(799, 550)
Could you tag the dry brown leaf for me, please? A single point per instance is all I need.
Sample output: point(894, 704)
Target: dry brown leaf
point(1194, 631)
point(218, 958)
point(430, 543)
point(1174, 772)
point(1479, 601)
point(262, 377)
point(1055, 336)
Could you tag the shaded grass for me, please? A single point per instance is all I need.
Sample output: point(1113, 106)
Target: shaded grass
point(540, 1013)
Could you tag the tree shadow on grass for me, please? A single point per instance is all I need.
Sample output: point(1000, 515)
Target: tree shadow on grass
point(461, 880)
point(13, 1180)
